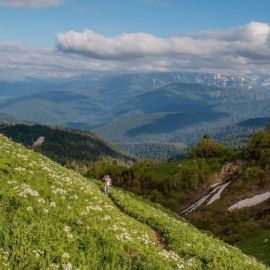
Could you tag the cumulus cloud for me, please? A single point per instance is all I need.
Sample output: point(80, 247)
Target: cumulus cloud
point(241, 49)
point(30, 3)
point(250, 40)
point(132, 45)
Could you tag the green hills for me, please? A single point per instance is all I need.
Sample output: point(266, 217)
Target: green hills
point(151, 110)
point(53, 218)
point(66, 146)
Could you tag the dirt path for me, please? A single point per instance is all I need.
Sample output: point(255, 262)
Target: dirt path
point(161, 244)
point(158, 239)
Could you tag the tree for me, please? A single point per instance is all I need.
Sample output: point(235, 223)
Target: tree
point(207, 148)
point(258, 147)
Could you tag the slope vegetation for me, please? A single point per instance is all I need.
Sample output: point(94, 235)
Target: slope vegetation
point(63, 145)
point(53, 218)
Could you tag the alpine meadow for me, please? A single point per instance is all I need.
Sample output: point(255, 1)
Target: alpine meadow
point(134, 135)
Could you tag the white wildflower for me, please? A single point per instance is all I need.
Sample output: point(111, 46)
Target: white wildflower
point(67, 266)
point(29, 209)
point(38, 252)
point(145, 239)
point(106, 218)
point(20, 169)
point(65, 255)
point(124, 237)
point(67, 229)
point(170, 255)
point(52, 204)
point(53, 266)
point(11, 182)
point(79, 222)
point(60, 191)
point(41, 200)
point(25, 191)
point(70, 235)
point(4, 254)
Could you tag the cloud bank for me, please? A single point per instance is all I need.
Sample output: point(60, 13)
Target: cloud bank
point(250, 41)
point(30, 3)
point(238, 50)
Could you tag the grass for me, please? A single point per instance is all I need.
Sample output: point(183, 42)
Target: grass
point(182, 238)
point(258, 245)
point(170, 169)
point(53, 218)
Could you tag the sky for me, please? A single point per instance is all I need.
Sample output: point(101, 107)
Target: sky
point(70, 37)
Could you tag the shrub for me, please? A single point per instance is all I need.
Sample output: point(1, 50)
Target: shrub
point(207, 148)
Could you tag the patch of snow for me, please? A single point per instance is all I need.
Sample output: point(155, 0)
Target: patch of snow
point(218, 193)
point(209, 198)
point(250, 201)
point(39, 141)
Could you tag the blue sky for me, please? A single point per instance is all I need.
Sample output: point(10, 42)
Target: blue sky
point(70, 37)
point(110, 17)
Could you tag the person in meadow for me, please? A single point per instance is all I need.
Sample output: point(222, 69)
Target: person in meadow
point(107, 183)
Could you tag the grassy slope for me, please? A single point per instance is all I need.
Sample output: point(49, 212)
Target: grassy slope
point(257, 245)
point(183, 238)
point(53, 218)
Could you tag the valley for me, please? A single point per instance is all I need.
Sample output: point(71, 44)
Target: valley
point(132, 110)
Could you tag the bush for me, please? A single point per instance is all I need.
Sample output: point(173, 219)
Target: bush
point(207, 148)
point(258, 148)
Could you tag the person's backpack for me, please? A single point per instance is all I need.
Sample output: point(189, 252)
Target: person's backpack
point(110, 181)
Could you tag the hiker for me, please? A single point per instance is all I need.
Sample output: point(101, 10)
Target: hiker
point(110, 180)
point(107, 183)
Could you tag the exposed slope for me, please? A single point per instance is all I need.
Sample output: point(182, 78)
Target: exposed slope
point(63, 145)
point(52, 218)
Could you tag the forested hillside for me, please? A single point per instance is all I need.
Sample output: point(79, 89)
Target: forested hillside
point(152, 110)
point(66, 146)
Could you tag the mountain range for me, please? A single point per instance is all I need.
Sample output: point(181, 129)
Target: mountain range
point(159, 108)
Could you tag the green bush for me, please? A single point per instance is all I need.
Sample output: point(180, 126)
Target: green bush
point(207, 148)
point(258, 148)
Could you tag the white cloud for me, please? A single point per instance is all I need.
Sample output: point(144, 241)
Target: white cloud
point(132, 45)
point(250, 41)
point(30, 3)
point(241, 49)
